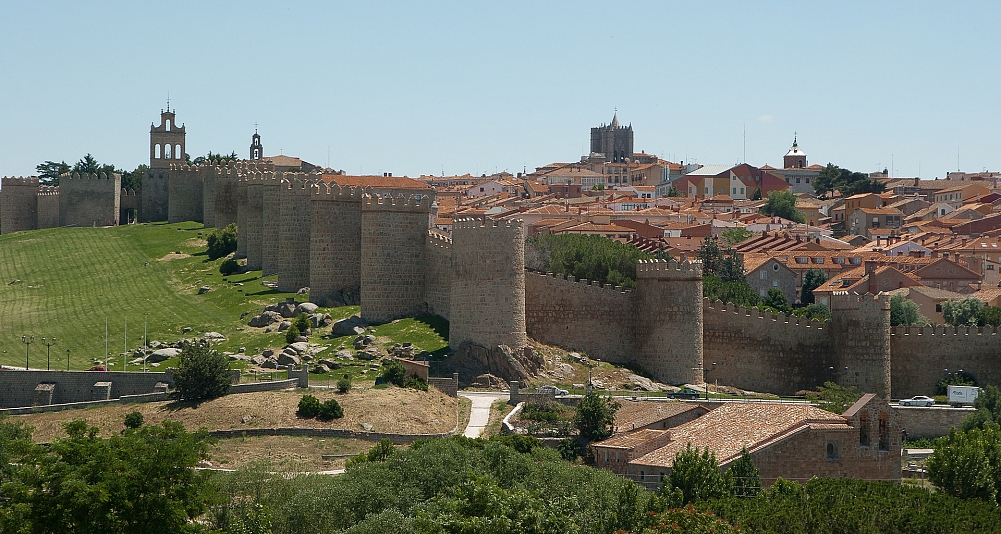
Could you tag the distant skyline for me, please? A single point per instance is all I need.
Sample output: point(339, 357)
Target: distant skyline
point(457, 87)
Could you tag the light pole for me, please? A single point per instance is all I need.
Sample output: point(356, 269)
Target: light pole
point(27, 343)
point(48, 352)
point(67, 359)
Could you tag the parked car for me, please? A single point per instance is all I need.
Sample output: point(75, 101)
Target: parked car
point(551, 390)
point(685, 393)
point(919, 400)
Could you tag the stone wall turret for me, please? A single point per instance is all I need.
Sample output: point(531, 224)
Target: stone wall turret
point(18, 204)
point(270, 214)
point(669, 320)
point(184, 194)
point(488, 284)
point(208, 176)
point(89, 199)
point(155, 195)
point(335, 244)
point(294, 197)
point(225, 203)
point(393, 259)
point(861, 334)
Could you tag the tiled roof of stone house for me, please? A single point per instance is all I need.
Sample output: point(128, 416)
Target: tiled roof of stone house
point(630, 440)
point(637, 414)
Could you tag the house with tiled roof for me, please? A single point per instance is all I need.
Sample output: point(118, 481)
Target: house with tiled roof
point(764, 273)
point(861, 220)
point(949, 275)
point(793, 441)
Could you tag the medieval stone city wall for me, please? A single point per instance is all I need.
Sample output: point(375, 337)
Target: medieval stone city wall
point(488, 284)
point(581, 316)
point(225, 201)
point(393, 230)
point(208, 176)
point(89, 199)
point(921, 355)
point(253, 223)
point(438, 273)
point(762, 351)
point(335, 244)
point(241, 217)
point(155, 195)
point(294, 198)
point(184, 193)
point(130, 206)
point(18, 204)
point(669, 323)
point(862, 341)
point(19, 387)
point(270, 223)
point(48, 206)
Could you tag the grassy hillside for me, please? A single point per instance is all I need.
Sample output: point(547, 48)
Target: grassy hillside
point(72, 278)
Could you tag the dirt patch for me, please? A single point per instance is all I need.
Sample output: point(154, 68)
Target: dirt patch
point(306, 453)
point(174, 256)
point(404, 411)
point(195, 242)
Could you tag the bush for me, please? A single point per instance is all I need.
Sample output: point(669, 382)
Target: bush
point(309, 407)
point(415, 382)
point(394, 372)
point(229, 266)
point(291, 334)
point(697, 475)
point(202, 373)
point(586, 256)
point(221, 242)
point(330, 409)
point(595, 415)
point(133, 420)
point(302, 323)
point(344, 384)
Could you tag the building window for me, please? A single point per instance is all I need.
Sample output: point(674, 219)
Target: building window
point(797, 179)
point(863, 429)
point(884, 431)
point(763, 275)
point(938, 308)
point(807, 180)
point(833, 451)
point(775, 266)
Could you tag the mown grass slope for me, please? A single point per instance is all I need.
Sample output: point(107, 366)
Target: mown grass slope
point(71, 279)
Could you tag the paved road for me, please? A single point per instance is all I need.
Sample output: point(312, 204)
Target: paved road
point(479, 415)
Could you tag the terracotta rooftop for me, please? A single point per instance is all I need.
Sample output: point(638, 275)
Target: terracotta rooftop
point(388, 182)
point(735, 426)
point(630, 440)
point(637, 414)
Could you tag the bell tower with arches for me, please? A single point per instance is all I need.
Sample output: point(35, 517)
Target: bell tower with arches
point(256, 150)
point(166, 141)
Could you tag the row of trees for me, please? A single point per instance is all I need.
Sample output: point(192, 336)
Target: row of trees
point(49, 171)
point(970, 311)
point(591, 257)
point(833, 178)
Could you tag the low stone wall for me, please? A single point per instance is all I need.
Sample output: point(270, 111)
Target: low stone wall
point(18, 388)
point(922, 422)
point(147, 397)
point(397, 439)
point(448, 386)
point(252, 387)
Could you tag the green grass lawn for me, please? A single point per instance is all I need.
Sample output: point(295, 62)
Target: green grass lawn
point(71, 279)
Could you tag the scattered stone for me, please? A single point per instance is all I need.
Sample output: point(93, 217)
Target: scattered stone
point(284, 325)
point(346, 327)
point(488, 380)
point(258, 360)
point(270, 364)
point(330, 364)
point(186, 329)
point(238, 284)
point(344, 354)
point(154, 365)
point(320, 369)
point(14, 282)
point(405, 350)
point(244, 314)
point(242, 350)
point(267, 353)
point(319, 320)
point(205, 463)
point(163, 354)
point(302, 291)
point(155, 345)
point(287, 308)
point(246, 419)
point(300, 347)
point(213, 335)
point(271, 329)
point(301, 339)
point(264, 319)
point(204, 289)
point(359, 343)
point(306, 307)
point(369, 339)
point(367, 427)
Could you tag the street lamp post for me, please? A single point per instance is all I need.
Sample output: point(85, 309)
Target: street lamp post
point(27, 343)
point(67, 359)
point(48, 352)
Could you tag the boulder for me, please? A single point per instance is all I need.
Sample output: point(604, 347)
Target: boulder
point(284, 325)
point(270, 364)
point(368, 354)
point(271, 307)
point(267, 353)
point(320, 369)
point(330, 364)
point(288, 359)
point(271, 329)
point(643, 383)
point(346, 327)
point(300, 347)
point(213, 335)
point(345, 354)
point(204, 289)
point(369, 339)
point(287, 309)
point(301, 339)
point(162, 354)
point(306, 307)
point(320, 319)
point(264, 319)
point(359, 343)
point(258, 360)
point(186, 329)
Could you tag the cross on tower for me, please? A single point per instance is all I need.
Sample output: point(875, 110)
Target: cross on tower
point(255, 127)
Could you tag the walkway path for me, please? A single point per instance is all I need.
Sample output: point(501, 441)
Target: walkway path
point(479, 415)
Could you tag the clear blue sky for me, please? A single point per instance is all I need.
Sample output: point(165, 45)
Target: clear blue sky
point(425, 87)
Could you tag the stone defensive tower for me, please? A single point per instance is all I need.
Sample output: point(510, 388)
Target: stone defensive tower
point(669, 315)
point(48, 206)
point(224, 188)
point(335, 244)
point(393, 230)
point(295, 195)
point(90, 199)
point(184, 193)
point(253, 224)
point(18, 204)
point(861, 336)
point(488, 284)
point(270, 220)
point(166, 147)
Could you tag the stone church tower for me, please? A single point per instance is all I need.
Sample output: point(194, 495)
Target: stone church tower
point(614, 142)
point(795, 158)
point(166, 141)
point(256, 150)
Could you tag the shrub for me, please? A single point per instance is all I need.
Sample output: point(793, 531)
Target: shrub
point(344, 384)
point(415, 382)
point(394, 372)
point(229, 266)
point(697, 475)
point(302, 323)
point(133, 420)
point(330, 409)
point(291, 334)
point(221, 242)
point(309, 407)
point(202, 373)
point(595, 415)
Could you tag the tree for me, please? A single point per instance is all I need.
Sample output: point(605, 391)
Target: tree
point(783, 204)
point(133, 420)
point(745, 476)
point(819, 312)
point(698, 475)
point(212, 158)
point(738, 292)
point(202, 373)
point(989, 316)
point(330, 409)
point(834, 398)
point(221, 242)
point(968, 464)
point(904, 312)
point(827, 180)
point(776, 300)
point(736, 235)
point(757, 194)
point(812, 279)
point(710, 255)
point(673, 192)
point(394, 372)
point(962, 312)
point(48, 172)
point(134, 179)
point(959, 378)
point(141, 481)
point(589, 257)
point(291, 334)
point(598, 187)
point(987, 409)
point(309, 407)
point(594, 417)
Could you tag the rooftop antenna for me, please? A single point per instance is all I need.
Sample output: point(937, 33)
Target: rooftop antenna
point(255, 127)
point(745, 142)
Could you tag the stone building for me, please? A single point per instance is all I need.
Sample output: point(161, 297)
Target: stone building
point(89, 199)
point(613, 142)
point(18, 204)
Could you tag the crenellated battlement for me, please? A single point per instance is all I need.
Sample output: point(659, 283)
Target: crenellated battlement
point(128, 192)
point(579, 282)
point(470, 223)
point(668, 269)
point(944, 330)
point(438, 240)
point(334, 192)
point(401, 202)
point(719, 306)
point(50, 190)
point(845, 301)
point(19, 181)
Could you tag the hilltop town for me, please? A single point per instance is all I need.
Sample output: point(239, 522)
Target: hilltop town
point(873, 283)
